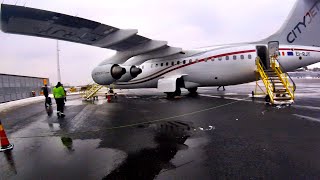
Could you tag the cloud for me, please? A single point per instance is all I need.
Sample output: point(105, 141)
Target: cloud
point(183, 23)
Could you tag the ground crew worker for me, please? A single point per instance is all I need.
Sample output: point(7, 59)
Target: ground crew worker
point(45, 91)
point(59, 95)
point(46, 95)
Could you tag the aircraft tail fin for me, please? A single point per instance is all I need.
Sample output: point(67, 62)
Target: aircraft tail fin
point(302, 26)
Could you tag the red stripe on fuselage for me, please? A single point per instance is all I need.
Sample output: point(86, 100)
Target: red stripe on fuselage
point(194, 62)
point(297, 49)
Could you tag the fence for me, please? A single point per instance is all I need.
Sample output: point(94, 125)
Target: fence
point(14, 87)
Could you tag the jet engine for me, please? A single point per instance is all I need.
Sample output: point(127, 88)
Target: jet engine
point(107, 74)
point(131, 72)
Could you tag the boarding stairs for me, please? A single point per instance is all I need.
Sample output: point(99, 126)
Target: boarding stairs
point(91, 91)
point(278, 84)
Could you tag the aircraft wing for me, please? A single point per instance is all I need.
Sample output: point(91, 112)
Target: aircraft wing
point(35, 22)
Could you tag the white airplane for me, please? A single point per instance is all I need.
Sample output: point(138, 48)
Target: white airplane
point(141, 62)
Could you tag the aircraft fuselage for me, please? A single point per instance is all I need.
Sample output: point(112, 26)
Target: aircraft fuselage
point(219, 65)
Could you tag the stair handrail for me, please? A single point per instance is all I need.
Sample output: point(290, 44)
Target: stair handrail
point(264, 67)
point(284, 71)
point(284, 79)
point(265, 78)
point(94, 88)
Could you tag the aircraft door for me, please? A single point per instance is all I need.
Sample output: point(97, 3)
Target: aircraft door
point(263, 54)
point(273, 48)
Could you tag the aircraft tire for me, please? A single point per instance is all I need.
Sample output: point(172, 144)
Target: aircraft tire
point(193, 90)
point(267, 98)
point(171, 95)
point(177, 92)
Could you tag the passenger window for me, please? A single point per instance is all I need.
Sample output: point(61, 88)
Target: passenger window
point(227, 57)
point(249, 56)
point(234, 57)
point(220, 58)
point(178, 62)
point(167, 63)
point(172, 63)
point(156, 65)
point(184, 61)
point(242, 56)
point(190, 61)
point(161, 64)
point(212, 59)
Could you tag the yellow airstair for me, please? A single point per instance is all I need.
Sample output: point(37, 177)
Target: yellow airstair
point(91, 91)
point(279, 86)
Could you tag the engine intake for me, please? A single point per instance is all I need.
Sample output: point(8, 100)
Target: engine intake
point(107, 74)
point(132, 72)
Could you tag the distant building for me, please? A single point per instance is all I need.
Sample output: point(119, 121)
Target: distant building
point(305, 74)
point(14, 87)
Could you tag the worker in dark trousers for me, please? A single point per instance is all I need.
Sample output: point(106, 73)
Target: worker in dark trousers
point(59, 95)
point(46, 95)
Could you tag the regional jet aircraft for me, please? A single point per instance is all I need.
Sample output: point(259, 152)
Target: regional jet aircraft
point(141, 62)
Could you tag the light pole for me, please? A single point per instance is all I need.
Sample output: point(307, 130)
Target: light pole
point(58, 63)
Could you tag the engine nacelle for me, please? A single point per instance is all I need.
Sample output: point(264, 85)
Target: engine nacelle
point(107, 74)
point(131, 72)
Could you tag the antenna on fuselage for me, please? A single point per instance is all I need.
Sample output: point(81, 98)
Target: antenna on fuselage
point(24, 5)
point(16, 2)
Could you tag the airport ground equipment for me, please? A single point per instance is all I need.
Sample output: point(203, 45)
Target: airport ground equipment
point(278, 88)
point(91, 91)
point(4, 142)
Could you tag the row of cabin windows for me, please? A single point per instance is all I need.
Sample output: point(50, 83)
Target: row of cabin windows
point(234, 57)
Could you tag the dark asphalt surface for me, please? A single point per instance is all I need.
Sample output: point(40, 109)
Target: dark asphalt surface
point(143, 135)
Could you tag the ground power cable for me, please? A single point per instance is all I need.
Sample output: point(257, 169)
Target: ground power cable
point(130, 125)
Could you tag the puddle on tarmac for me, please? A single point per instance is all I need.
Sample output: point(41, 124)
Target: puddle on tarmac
point(62, 155)
point(147, 163)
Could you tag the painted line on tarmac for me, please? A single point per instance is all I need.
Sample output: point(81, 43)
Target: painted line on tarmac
point(307, 117)
point(307, 107)
point(230, 98)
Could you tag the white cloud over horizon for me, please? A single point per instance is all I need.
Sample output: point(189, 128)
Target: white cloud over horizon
point(183, 23)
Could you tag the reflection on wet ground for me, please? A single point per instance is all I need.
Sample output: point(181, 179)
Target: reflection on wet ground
point(147, 163)
point(143, 135)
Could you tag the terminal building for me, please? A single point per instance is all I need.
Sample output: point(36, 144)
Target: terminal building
point(14, 87)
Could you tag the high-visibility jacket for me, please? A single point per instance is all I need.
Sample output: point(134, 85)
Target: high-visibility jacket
point(58, 92)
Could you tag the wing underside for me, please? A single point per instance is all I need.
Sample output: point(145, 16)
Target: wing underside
point(47, 24)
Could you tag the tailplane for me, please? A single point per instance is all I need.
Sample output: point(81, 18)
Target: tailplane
point(302, 26)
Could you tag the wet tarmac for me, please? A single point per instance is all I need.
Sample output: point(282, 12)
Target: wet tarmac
point(143, 135)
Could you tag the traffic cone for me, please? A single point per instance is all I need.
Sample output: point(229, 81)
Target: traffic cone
point(109, 98)
point(4, 142)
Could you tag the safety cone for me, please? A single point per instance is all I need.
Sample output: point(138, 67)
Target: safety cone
point(109, 98)
point(4, 142)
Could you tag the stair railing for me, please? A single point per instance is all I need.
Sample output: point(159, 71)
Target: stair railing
point(284, 77)
point(265, 79)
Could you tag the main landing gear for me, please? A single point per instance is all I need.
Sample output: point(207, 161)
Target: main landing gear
point(173, 94)
point(193, 92)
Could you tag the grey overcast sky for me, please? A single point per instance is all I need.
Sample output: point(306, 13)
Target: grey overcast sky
point(183, 23)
